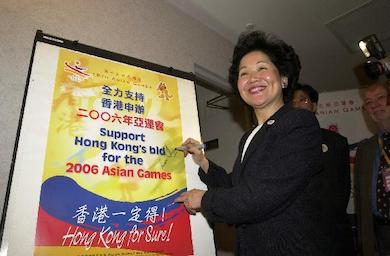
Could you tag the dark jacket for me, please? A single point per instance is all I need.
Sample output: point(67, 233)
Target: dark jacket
point(365, 157)
point(336, 184)
point(273, 195)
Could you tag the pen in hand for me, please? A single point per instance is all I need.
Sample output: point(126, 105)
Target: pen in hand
point(184, 148)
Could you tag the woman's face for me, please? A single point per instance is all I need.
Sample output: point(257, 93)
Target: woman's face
point(259, 82)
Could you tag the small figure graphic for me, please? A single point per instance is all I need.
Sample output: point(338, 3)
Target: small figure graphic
point(163, 91)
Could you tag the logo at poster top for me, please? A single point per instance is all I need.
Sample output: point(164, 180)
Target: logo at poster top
point(163, 92)
point(78, 73)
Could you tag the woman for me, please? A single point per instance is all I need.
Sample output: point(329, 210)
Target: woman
point(271, 195)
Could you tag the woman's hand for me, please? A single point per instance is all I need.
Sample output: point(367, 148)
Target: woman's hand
point(196, 153)
point(192, 200)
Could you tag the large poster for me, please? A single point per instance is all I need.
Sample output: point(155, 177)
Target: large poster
point(96, 172)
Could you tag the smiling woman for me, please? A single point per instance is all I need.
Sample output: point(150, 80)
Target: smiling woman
point(272, 196)
point(259, 84)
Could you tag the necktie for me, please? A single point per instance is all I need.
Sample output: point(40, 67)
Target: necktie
point(383, 197)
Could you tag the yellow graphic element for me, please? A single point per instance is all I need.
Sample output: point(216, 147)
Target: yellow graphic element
point(163, 92)
point(133, 169)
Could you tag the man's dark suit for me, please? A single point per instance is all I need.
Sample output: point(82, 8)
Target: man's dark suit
point(273, 194)
point(336, 183)
point(365, 157)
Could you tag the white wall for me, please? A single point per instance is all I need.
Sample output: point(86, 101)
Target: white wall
point(151, 30)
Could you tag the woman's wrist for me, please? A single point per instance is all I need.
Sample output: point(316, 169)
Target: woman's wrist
point(204, 164)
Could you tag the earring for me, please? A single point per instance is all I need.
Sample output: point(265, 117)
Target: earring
point(284, 83)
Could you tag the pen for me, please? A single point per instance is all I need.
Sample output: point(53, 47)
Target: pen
point(198, 146)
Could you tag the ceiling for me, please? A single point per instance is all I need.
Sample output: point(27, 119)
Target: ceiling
point(323, 32)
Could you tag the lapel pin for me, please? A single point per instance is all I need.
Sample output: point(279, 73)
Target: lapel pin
point(324, 148)
point(270, 122)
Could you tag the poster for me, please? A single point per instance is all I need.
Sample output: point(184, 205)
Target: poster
point(101, 170)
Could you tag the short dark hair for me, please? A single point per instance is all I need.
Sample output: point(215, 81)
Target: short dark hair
point(309, 90)
point(281, 55)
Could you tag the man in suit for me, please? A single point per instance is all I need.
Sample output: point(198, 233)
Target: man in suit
point(372, 170)
point(335, 179)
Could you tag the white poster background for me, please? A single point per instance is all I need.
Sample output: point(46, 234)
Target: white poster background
point(21, 218)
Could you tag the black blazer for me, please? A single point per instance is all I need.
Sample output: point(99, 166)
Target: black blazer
point(272, 196)
point(336, 184)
